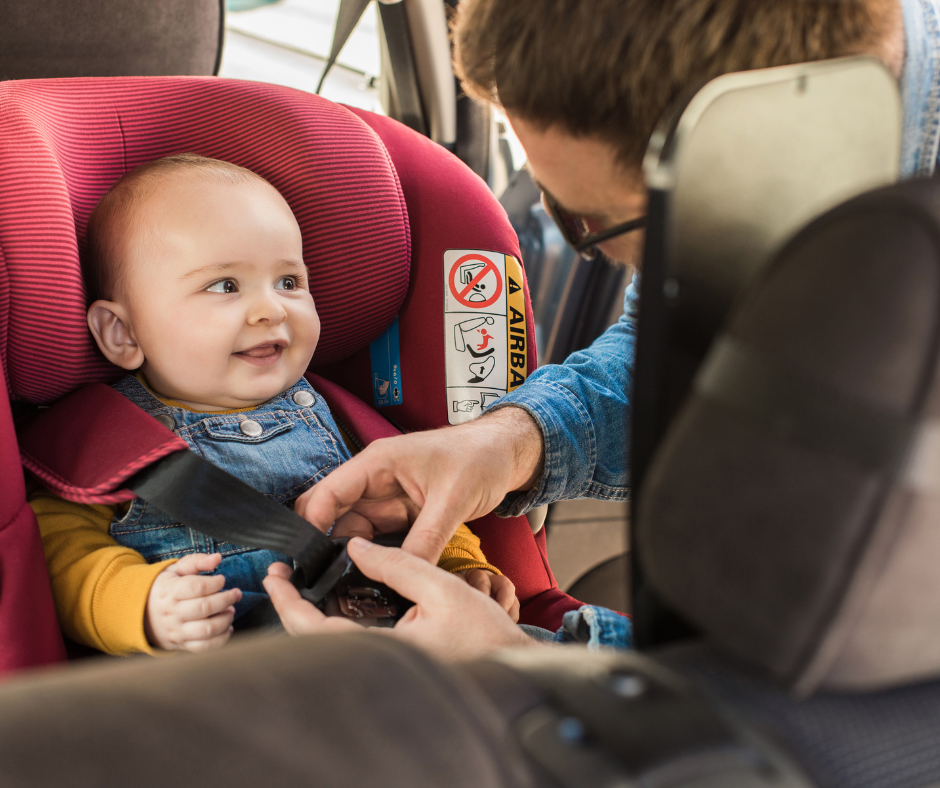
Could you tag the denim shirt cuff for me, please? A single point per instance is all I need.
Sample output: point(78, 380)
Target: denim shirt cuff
point(570, 445)
point(596, 627)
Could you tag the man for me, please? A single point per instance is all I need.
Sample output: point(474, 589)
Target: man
point(584, 84)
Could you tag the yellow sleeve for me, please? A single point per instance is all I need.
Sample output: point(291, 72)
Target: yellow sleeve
point(100, 588)
point(463, 552)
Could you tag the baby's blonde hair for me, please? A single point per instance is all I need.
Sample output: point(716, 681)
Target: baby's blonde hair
point(103, 267)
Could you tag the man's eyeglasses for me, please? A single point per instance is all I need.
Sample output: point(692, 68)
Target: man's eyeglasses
point(575, 230)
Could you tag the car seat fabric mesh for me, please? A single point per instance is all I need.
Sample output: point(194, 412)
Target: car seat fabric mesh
point(873, 740)
point(64, 142)
point(773, 530)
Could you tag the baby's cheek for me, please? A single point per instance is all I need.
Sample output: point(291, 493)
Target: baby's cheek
point(307, 330)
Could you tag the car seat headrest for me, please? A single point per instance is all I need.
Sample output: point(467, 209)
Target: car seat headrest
point(792, 510)
point(63, 143)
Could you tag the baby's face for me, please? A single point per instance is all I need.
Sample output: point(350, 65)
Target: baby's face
point(217, 293)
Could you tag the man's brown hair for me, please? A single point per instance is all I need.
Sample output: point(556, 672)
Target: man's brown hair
point(611, 68)
point(103, 266)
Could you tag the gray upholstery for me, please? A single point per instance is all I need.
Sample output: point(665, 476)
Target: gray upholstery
point(102, 38)
point(344, 711)
point(762, 520)
point(876, 740)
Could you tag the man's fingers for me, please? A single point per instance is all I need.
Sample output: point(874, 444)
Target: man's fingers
point(298, 616)
point(353, 524)
point(412, 577)
point(506, 596)
point(329, 499)
point(207, 628)
point(480, 580)
point(432, 530)
point(280, 569)
point(207, 606)
point(192, 586)
point(194, 563)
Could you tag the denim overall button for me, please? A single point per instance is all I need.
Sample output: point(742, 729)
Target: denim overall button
point(167, 421)
point(251, 428)
point(303, 398)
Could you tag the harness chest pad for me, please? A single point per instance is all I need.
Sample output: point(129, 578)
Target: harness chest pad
point(791, 512)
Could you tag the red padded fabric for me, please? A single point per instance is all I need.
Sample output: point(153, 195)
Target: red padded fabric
point(29, 633)
point(365, 422)
point(80, 446)
point(64, 142)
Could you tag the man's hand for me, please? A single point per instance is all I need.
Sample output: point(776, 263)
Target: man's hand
point(499, 587)
point(435, 480)
point(450, 620)
point(187, 611)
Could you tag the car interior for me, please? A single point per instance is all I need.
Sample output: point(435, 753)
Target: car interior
point(778, 553)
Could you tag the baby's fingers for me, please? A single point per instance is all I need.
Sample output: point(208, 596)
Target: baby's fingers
point(207, 606)
point(194, 563)
point(200, 646)
point(193, 586)
point(207, 629)
point(480, 579)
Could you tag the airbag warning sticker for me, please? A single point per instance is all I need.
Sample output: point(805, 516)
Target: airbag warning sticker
point(484, 330)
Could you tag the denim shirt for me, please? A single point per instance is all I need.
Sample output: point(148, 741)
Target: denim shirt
point(582, 406)
point(297, 445)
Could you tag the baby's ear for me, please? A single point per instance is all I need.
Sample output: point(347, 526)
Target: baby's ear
point(110, 325)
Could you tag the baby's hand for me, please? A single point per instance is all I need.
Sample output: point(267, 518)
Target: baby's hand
point(499, 587)
point(187, 611)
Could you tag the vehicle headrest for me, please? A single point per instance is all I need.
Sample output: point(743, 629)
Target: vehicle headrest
point(793, 510)
point(64, 142)
point(111, 38)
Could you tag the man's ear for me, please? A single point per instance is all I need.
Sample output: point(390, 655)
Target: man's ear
point(110, 325)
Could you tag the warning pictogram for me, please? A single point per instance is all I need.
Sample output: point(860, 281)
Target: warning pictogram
point(486, 348)
point(475, 281)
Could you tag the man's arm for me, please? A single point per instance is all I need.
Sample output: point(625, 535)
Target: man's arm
point(582, 409)
point(565, 438)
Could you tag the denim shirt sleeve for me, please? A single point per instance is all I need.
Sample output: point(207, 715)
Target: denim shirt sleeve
point(596, 627)
point(583, 411)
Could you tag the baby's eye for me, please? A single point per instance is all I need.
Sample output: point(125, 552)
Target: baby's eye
point(286, 283)
point(223, 286)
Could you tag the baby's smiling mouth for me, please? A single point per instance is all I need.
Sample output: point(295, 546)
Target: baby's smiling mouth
point(263, 355)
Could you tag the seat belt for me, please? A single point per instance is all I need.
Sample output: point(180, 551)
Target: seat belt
point(348, 16)
point(213, 502)
point(401, 60)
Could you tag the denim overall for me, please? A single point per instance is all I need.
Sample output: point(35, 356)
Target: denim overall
point(280, 448)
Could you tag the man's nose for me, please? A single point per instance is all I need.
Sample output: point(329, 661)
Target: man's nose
point(266, 307)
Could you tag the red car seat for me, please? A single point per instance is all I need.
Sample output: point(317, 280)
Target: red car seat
point(378, 206)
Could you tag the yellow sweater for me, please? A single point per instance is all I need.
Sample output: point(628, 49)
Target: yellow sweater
point(101, 588)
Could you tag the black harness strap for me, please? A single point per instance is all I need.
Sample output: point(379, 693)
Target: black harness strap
point(208, 499)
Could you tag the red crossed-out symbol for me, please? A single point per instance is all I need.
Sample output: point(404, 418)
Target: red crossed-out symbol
point(466, 290)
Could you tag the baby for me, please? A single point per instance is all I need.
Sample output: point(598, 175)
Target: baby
point(196, 270)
